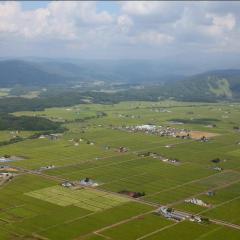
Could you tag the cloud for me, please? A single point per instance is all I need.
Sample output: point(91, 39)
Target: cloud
point(124, 23)
point(58, 20)
point(80, 28)
point(152, 37)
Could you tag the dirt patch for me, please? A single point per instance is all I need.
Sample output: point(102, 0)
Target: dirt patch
point(200, 134)
point(9, 169)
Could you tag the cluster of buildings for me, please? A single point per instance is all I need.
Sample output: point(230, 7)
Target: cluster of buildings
point(197, 219)
point(76, 141)
point(171, 214)
point(196, 201)
point(158, 130)
point(4, 159)
point(87, 182)
point(52, 136)
point(8, 158)
point(5, 177)
point(161, 110)
point(203, 139)
point(128, 116)
point(122, 149)
point(67, 184)
point(217, 168)
point(157, 156)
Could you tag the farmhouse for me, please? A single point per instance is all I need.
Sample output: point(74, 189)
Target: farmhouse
point(5, 159)
point(195, 219)
point(47, 167)
point(199, 219)
point(8, 158)
point(67, 184)
point(175, 123)
point(147, 127)
point(218, 169)
point(5, 177)
point(196, 201)
point(132, 194)
point(203, 139)
point(90, 143)
point(157, 156)
point(5, 174)
point(210, 193)
point(53, 136)
point(171, 214)
point(122, 149)
point(88, 182)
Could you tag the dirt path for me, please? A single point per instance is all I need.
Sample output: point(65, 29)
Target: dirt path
point(123, 221)
point(157, 231)
point(211, 189)
point(187, 183)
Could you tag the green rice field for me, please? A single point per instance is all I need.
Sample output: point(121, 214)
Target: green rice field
point(34, 205)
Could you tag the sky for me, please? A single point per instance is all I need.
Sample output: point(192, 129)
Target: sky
point(194, 32)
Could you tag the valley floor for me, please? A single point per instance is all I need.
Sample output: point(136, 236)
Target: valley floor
point(164, 170)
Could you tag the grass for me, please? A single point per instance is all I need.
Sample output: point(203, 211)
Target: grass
point(88, 199)
point(33, 204)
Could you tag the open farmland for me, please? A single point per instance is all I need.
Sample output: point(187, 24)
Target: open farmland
point(165, 169)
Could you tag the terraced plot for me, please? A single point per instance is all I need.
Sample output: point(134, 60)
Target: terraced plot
point(89, 199)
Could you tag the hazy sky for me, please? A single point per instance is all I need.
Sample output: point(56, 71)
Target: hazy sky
point(190, 31)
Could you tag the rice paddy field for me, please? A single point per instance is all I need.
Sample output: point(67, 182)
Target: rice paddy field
point(34, 204)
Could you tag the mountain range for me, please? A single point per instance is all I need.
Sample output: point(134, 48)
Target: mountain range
point(218, 84)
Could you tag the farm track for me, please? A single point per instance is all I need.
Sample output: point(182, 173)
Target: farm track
point(155, 205)
point(190, 182)
point(140, 200)
point(121, 154)
point(157, 231)
point(211, 189)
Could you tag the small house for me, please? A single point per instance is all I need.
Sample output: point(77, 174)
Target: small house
point(67, 184)
point(88, 182)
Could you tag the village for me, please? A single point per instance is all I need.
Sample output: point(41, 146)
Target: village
point(167, 131)
point(158, 130)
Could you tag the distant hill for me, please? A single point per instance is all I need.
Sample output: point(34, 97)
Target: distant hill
point(159, 82)
point(215, 85)
point(51, 72)
point(16, 72)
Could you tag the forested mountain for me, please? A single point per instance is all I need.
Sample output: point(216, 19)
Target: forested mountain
point(51, 72)
point(15, 72)
point(218, 85)
point(155, 82)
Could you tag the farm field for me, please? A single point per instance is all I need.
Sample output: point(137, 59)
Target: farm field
point(164, 169)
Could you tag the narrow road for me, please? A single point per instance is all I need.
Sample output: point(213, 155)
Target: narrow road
point(184, 213)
